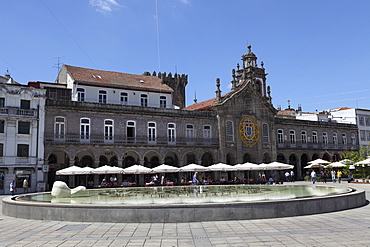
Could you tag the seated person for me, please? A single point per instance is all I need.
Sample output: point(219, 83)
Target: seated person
point(271, 180)
point(125, 183)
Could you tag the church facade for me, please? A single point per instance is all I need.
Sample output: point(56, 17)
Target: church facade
point(122, 119)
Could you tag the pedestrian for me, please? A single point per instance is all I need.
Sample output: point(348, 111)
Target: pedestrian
point(333, 179)
point(313, 176)
point(291, 176)
point(195, 178)
point(287, 174)
point(12, 188)
point(339, 175)
point(25, 185)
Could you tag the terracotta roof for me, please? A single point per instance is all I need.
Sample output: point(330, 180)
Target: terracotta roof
point(110, 78)
point(202, 106)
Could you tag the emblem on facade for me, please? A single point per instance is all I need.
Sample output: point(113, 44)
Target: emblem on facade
point(248, 130)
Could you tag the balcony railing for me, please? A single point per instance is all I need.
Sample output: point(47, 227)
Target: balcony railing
point(310, 145)
point(18, 112)
point(129, 141)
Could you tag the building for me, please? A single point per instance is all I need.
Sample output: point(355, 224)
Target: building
point(22, 111)
point(122, 119)
point(360, 117)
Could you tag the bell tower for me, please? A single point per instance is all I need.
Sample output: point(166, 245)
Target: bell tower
point(250, 72)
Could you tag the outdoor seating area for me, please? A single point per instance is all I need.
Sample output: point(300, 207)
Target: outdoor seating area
point(253, 174)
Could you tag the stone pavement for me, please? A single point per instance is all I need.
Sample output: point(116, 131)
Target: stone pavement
point(342, 228)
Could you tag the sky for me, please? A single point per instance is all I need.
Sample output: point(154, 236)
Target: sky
point(316, 52)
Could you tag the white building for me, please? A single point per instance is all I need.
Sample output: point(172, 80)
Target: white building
point(360, 117)
point(22, 111)
point(115, 88)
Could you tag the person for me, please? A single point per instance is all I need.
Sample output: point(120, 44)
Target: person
point(291, 176)
point(333, 179)
point(25, 185)
point(12, 188)
point(162, 180)
point(195, 179)
point(313, 176)
point(350, 177)
point(113, 180)
point(339, 175)
point(271, 180)
point(287, 174)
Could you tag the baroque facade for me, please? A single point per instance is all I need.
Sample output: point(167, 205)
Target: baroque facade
point(122, 119)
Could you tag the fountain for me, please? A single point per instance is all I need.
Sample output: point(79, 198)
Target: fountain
point(181, 203)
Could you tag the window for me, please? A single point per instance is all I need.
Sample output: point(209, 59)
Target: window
point(304, 137)
point(25, 104)
point(361, 120)
point(363, 135)
point(344, 139)
point(22, 150)
point(189, 131)
point(85, 128)
point(368, 135)
point(171, 132)
point(207, 132)
point(325, 138)
point(162, 101)
point(23, 127)
point(131, 131)
point(144, 100)
point(229, 131)
point(102, 96)
point(280, 136)
point(2, 102)
point(108, 129)
point(2, 126)
point(1, 149)
point(124, 98)
point(353, 138)
point(265, 132)
point(314, 137)
point(367, 121)
point(151, 131)
point(59, 127)
point(335, 138)
point(80, 94)
point(292, 136)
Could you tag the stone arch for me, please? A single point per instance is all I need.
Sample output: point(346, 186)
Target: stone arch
point(230, 159)
point(266, 158)
point(207, 159)
point(281, 158)
point(335, 157)
point(171, 159)
point(315, 156)
point(293, 160)
point(86, 160)
point(190, 158)
point(151, 159)
point(326, 157)
point(103, 160)
point(304, 162)
point(106, 157)
point(247, 158)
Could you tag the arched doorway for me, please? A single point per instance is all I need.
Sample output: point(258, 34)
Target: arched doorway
point(230, 160)
point(247, 158)
point(207, 159)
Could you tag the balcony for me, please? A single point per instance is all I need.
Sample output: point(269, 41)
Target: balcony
point(310, 145)
point(129, 141)
point(17, 112)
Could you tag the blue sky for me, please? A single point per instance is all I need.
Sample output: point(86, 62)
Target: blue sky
point(316, 53)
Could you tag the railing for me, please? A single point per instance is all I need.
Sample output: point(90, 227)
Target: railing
point(18, 112)
point(310, 145)
point(130, 141)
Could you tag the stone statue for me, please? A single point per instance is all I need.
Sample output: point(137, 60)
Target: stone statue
point(61, 189)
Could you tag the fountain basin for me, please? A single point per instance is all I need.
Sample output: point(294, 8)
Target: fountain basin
point(37, 206)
